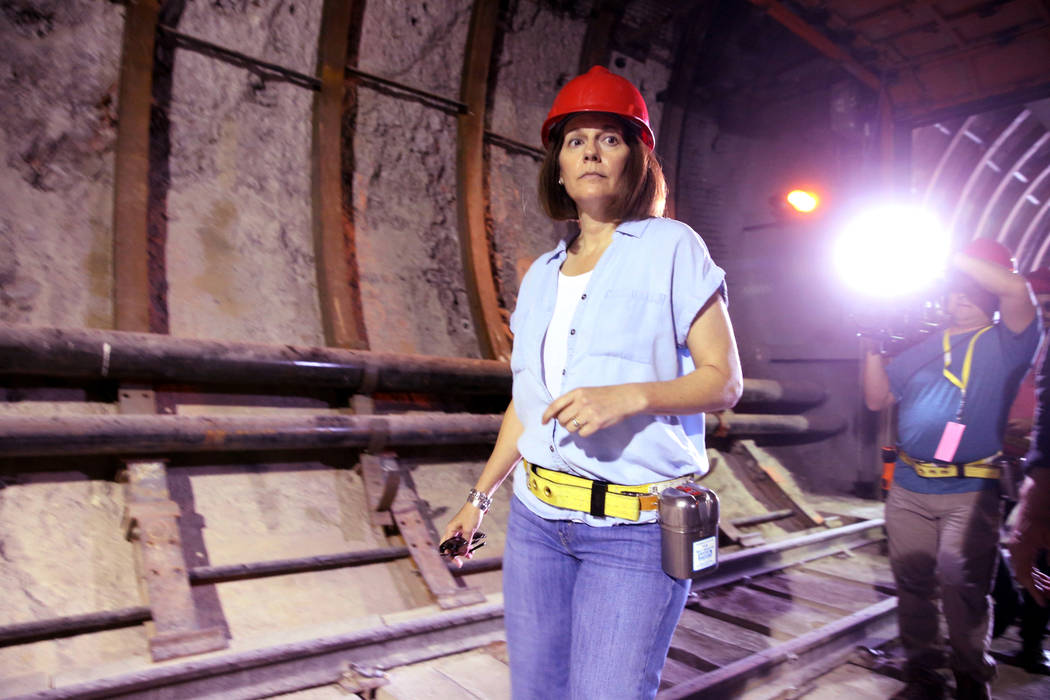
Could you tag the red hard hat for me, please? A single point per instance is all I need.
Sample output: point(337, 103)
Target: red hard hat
point(1040, 280)
point(598, 90)
point(991, 251)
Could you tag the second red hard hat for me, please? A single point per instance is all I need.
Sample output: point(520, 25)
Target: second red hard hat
point(598, 90)
point(991, 251)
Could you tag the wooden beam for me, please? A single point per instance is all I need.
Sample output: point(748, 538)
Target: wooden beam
point(821, 43)
point(493, 334)
point(131, 289)
point(333, 227)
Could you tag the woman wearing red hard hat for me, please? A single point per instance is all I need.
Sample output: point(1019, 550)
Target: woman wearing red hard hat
point(622, 341)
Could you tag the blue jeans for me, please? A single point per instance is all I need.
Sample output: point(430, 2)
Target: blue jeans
point(589, 611)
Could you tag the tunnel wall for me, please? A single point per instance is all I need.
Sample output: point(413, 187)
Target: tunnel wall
point(231, 170)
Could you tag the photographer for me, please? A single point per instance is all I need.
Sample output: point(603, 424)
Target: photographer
point(943, 512)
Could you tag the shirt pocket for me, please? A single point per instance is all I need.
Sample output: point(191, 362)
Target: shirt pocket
point(630, 324)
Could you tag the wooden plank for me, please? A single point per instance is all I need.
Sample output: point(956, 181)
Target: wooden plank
point(834, 595)
point(676, 672)
point(779, 478)
point(725, 632)
point(764, 613)
point(859, 567)
point(702, 651)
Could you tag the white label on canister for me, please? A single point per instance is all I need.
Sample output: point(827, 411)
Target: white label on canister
point(705, 553)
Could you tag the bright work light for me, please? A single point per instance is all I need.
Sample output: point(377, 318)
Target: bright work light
point(802, 201)
point(892, 251)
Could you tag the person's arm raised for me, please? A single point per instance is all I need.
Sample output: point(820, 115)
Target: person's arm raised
point(1016, 306)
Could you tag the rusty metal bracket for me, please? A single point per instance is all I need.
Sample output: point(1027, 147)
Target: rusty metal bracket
point(358, 678)
point(392, 503)
point(150, 521)
point(381, 477)
point(423, 548)
point(137, 399)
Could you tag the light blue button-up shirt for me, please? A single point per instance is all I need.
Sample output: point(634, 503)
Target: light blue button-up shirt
point(631, 325)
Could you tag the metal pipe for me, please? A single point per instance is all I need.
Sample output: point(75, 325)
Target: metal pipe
point(96, 354)
point(26, 632)
point(202, 575)
point(143, 434)
point(22, 436)
point(102, 354)
point(265, 69)
point(762, 518)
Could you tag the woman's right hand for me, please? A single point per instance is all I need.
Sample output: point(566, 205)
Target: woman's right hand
point(465, 523)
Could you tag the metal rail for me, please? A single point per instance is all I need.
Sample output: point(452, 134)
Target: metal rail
point(54, 628)
point(321, 661)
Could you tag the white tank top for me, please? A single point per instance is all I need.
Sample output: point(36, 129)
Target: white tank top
point(556, 341)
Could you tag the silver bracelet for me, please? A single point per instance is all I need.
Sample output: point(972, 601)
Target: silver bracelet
point(479, 500)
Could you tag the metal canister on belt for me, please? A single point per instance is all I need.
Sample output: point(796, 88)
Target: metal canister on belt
point(689, 529)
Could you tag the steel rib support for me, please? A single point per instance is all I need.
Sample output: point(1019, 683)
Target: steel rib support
point(1036, 260)
point(341, 314)
point(957, 138)
point(493, 337)
point(1010, 174)
point(982, 163)
point(1019, 206)
point(131, 287)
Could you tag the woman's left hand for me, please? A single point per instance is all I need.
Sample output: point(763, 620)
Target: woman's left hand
point(589, 409)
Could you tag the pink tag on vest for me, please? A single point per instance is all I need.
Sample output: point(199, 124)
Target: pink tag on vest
point(953, 433)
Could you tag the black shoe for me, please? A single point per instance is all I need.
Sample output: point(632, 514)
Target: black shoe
point(1034, 662)
point(969, 688)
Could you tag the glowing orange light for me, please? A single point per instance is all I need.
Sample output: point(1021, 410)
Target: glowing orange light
point(803, 201)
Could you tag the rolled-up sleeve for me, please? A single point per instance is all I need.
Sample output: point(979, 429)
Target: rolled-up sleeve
point(695, 278)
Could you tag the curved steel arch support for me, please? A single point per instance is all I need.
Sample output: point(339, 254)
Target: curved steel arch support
point(1032, 262)
point(337, 287)
point(1001, 187)
point(931, 186)
point(131, 287)
point(979, 169)
point(493, 334)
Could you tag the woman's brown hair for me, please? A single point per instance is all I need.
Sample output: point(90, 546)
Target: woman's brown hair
point(643, 195)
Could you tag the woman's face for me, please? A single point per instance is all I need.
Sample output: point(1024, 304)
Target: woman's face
point(592, 159)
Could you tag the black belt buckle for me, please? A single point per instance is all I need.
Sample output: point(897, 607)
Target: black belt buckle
point(598, 491)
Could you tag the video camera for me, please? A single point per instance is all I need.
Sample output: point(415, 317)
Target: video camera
point(900, 323)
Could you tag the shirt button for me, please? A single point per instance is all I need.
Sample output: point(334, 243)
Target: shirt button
point(584, 296)
point(572, 331)
point(563, 373)
point(552, 448)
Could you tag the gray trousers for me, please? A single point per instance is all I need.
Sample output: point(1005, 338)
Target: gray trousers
point(944, 546)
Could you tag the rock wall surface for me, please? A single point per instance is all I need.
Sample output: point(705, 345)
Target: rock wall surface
point(59, 67)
